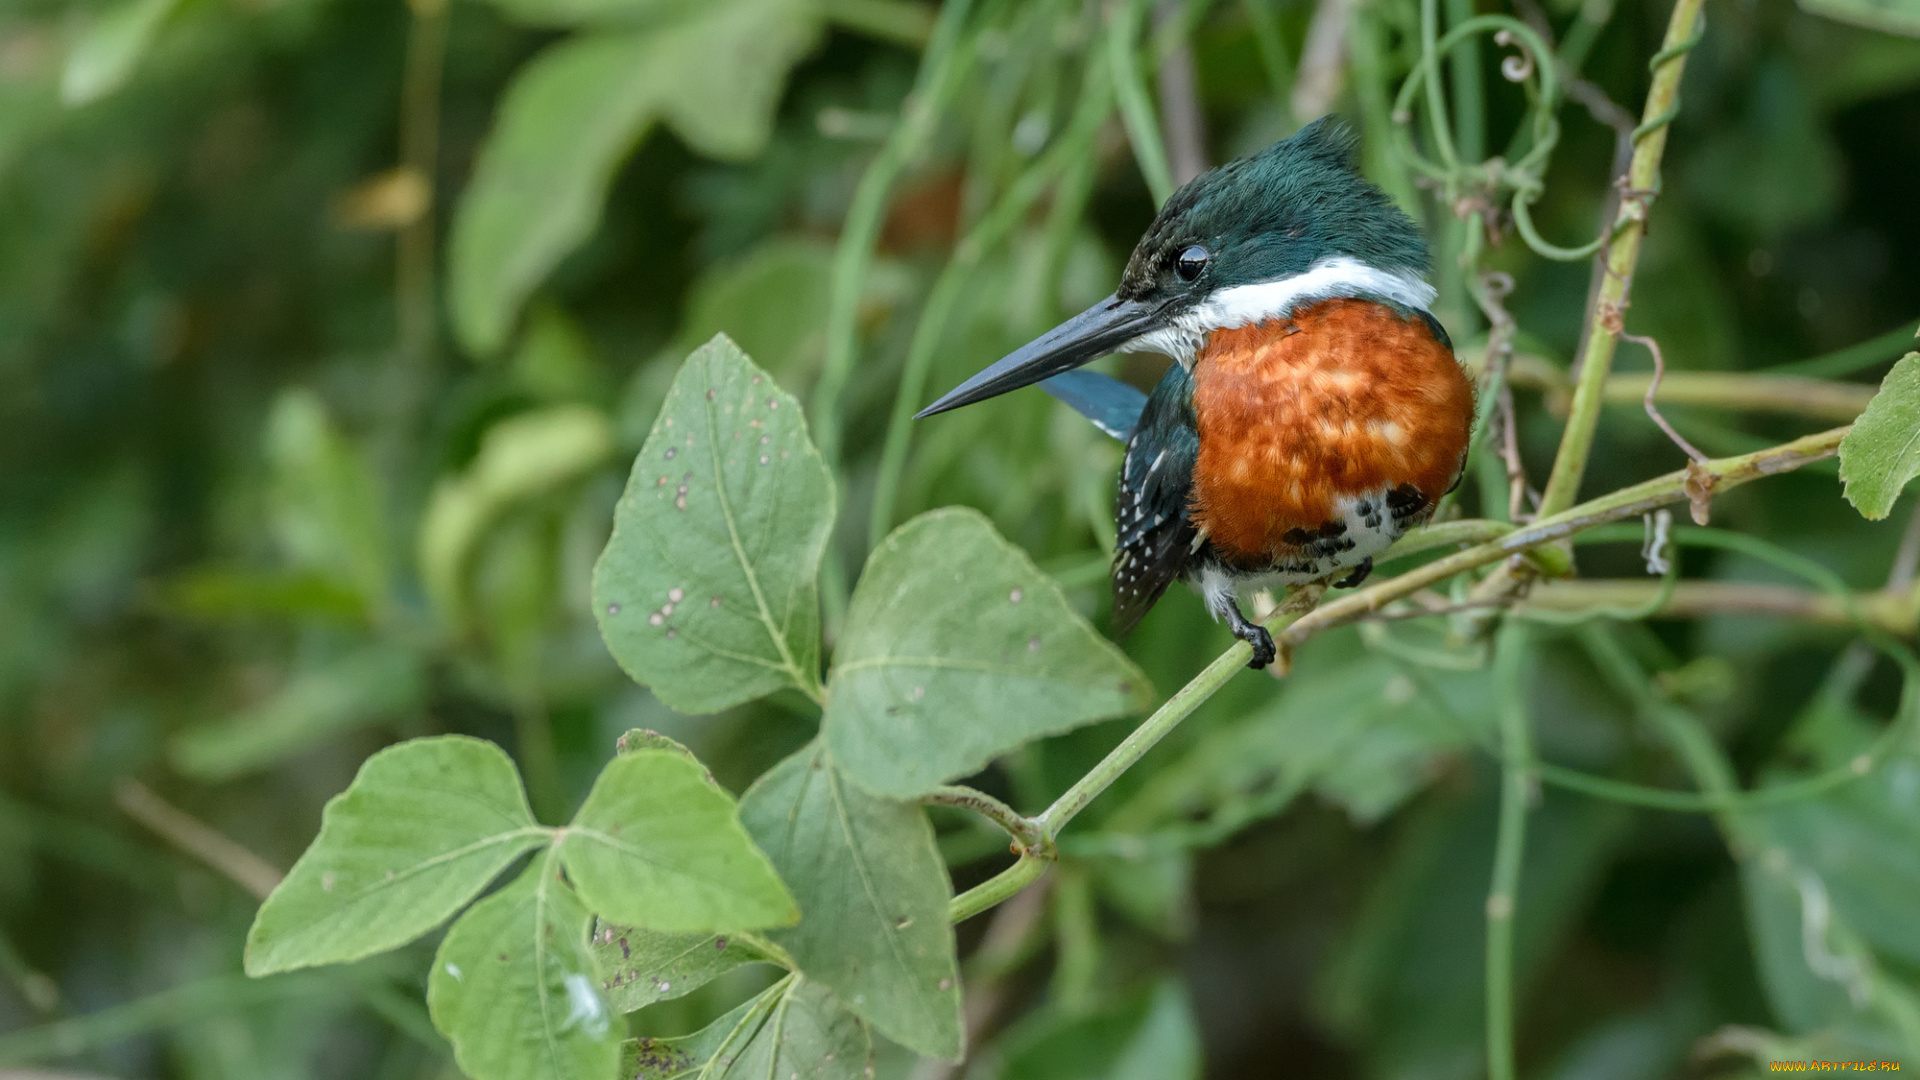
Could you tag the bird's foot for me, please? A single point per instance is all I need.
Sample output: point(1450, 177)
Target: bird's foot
point(1359, 575)
point(1253, 634)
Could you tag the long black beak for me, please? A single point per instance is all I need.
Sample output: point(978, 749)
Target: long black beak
point(1093, 333)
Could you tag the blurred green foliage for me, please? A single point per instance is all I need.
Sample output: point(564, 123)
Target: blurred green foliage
point(328, 329)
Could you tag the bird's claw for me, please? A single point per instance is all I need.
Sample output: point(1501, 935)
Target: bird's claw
point(1359, 574)
point(1253, 634)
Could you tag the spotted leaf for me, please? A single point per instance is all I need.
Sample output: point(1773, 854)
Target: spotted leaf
point(422, 829)
point(873, 894)
point(794, 1030)
point(706, 590)
point(515, 988)
point(957, 649)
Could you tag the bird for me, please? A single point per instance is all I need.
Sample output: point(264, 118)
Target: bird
point(1314, 411)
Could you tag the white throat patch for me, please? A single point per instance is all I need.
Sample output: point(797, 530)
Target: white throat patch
point(1244, 305)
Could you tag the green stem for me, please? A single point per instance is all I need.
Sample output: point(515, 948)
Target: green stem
point(1021, 828)
point(1008, 212)
point(999, 888)
point(1469, 98)
point(1621, 255)
point(1136, 106)
point(416, 309)
point(1366, 55)
point(1516, 789)
point(1273, 51)
point(941, 69)
point(1846, 361)
point(1143, 738)
point(1436, 102)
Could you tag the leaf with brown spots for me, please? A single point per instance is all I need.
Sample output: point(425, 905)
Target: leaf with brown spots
point(793, 1030)
point(706, 590)
point(958, 649)
point(873, 895)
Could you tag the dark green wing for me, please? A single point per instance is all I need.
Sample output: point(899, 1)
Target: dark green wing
point(1156, 537)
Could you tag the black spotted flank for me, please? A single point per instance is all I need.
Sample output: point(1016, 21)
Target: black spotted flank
point(1405, 502)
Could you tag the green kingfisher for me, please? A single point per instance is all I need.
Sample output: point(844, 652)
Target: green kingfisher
point(1314, 412)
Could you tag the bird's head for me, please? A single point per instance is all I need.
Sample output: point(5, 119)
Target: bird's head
point(1237, 245)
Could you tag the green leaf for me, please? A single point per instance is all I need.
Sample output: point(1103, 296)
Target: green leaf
point(1863, 840)
point(324, 501)
point(522, 456)
point(111, 48)
point(793, 1030)
point(957, 649)
point(706, 590)
point(1882, 452)
point(370, 684)
point(515, 988)
point(873, 899)
point(576, 111)
point(657, 844)
point(421, 830)
point(1891, 16)
point(640, 967)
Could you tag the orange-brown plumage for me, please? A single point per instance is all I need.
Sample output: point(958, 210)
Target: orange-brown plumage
point(1341, 398)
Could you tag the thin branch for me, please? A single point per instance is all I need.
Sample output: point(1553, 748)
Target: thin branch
point(1891, 610)
point(1621, 255)
point(197, 838)
point(1517, 787)
point(1722, 473)
point(1756, 392)
point(1653, 387)
point(1025, 832)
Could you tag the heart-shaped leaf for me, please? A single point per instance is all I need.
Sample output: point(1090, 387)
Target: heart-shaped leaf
point(575, 112)
point(420, 831)
point(793, 1029)
point(873, 895)
point(706, 590)
point(1882, 452)
point(958, 649)
point(640, 967)
point(657, 845)
point(515, 989)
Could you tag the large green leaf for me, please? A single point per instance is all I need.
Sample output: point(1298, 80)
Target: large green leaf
point(1892, 16)
point(515, 989)
point(657, 845)
point(422, 829)
point(873, 898)
point(369, 684)
point(640, 967)
point(1882, 452)
point(957, 649)
point(1863, 840)
point(574, 113)
point(794, 1030)
point(706, 590)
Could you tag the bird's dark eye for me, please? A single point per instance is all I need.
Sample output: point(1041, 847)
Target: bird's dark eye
point(1191, 262)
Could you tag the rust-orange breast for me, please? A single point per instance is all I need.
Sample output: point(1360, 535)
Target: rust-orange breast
point(1342, 398)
